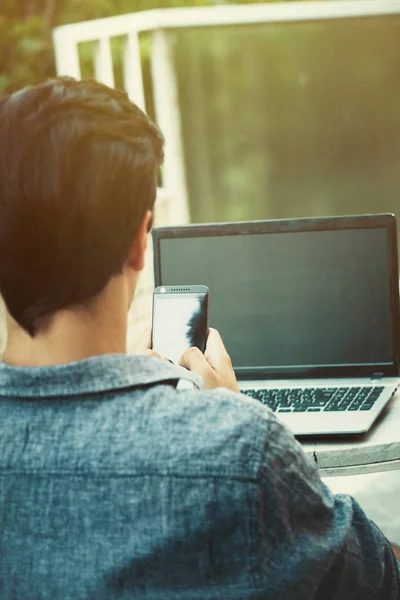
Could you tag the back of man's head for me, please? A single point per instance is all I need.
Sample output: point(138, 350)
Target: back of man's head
point(78, 164)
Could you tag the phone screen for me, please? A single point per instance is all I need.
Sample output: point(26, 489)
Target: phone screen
point(180, 321)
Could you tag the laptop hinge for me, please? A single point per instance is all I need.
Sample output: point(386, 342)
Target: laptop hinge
point(378, 375)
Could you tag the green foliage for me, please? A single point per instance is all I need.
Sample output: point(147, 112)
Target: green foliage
point(26, 51)
point(296, 122)
point(280, 120)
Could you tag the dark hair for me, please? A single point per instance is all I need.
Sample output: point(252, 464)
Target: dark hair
point(78, 167)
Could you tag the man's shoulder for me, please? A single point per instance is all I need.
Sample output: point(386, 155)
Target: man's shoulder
point(192, 432)
point(124, 415)
point(224, 410)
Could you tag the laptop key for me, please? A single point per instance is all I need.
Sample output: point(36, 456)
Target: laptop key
point(364, 393)
point(345, 403)
point(322, 395)
point(352, 393)
point(340, 393)
point(354, 405)
point(369, 403)
point(251, 393)
point(319, 403)
point(376, 392)
point(335, 408)
point(378, 389)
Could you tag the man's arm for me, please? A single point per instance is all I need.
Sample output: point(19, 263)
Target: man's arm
point(326, 539)
point(314, 544)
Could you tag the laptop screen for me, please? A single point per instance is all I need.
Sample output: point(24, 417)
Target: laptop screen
point(292, 299)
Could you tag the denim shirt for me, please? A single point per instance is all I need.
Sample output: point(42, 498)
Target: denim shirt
point(117, 485)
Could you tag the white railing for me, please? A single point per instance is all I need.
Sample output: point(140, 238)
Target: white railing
point(157, 23)
point(172, 205)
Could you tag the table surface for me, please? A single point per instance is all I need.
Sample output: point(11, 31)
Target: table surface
point(377, 450)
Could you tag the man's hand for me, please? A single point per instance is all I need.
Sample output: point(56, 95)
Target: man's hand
point(396, 550)
point(214, 366)
point(143, 344)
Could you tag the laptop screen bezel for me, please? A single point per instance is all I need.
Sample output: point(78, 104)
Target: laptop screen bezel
point(386, 221)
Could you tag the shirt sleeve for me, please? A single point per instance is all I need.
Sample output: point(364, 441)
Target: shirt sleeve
point(317, 544)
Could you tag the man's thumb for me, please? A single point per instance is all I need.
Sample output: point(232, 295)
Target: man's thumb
point(193, 359)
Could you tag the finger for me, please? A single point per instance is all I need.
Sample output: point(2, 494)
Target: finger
point(214, 339)
point(145, 338)
point(150, 352)
point(216, 353)
point(143, 342)
point(193, 359)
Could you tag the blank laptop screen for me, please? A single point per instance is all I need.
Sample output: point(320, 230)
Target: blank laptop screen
point(291, 299)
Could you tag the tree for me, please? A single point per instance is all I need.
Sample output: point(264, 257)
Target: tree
point(26, 50)
point(26, 53)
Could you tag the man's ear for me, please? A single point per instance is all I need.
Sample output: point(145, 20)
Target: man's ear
point(138, 247)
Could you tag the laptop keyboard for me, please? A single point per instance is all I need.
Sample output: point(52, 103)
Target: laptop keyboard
point(317, 399)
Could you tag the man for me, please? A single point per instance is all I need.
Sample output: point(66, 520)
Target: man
point(115, 484)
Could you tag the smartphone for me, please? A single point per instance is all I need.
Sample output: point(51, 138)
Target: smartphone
point(180, 319)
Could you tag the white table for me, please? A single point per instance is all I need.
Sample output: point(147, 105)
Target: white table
point(377, 450)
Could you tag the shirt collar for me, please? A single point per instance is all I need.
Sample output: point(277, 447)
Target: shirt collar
point(96, 374)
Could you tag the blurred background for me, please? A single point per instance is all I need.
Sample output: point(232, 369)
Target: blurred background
point(273, 120)
point(277, 119)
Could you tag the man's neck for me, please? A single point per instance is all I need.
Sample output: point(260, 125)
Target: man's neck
point(71, 335)
point(67, 339)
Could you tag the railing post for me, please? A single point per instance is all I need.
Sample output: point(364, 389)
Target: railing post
point(66, 54)
point(103, 65)
point(133, 76)
point(168, 118)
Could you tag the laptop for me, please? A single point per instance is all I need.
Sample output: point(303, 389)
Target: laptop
point(308, 310)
